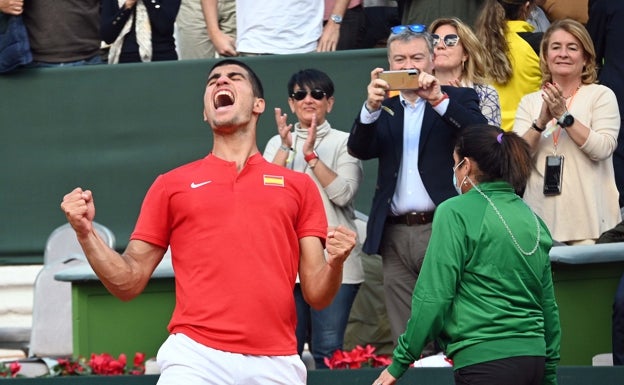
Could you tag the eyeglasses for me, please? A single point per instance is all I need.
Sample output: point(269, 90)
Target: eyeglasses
point(449, 40)
point(417, 28)
point(315, 93)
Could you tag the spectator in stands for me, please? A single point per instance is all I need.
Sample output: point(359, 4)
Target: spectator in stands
point(485, 290)
point(343, 25)
point(561, 9)
point(426, 11)
point(278, 26)
point(538, 18)
point(571, 119)
point(412, 136)
point(317, 149)
point(139, 30)
point(206, 28)
point(63, 33)
point(459, 60)
point(240, 229)
point(616, 234)
point(606, 27)
point(513, 52)
point(380, 16)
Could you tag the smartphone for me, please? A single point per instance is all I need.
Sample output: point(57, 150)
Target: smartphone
point(553, 175)
point(401, 80)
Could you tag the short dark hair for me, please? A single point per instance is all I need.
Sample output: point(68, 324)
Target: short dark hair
point(311, 78)
point(500, 155)
point(256, 84)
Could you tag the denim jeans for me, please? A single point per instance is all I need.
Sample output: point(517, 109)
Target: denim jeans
point(97, 59)
point(324, 330)
point(617, 333)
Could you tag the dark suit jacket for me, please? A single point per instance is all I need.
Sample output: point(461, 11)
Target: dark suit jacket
point(383, 139)
point(606, 27)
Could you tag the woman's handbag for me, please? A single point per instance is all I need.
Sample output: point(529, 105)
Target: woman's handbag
point(14, 45)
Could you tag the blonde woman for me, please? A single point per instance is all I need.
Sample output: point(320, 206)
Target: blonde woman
point(513, 52)
point(459, 60)
point(572, 125)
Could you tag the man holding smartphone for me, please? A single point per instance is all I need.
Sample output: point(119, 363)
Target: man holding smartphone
point(412, 135)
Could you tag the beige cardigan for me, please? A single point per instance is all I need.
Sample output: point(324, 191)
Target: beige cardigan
point(588, 204)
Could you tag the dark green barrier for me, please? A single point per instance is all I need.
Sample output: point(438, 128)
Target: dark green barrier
point(567, 375)
point(113, 129)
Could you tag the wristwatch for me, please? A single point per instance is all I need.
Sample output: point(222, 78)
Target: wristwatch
point(311, 156)
point(566, 120)
point(336, 18)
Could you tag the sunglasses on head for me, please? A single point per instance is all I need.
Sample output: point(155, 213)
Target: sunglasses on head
point(449, 40)
point(417, 28)
point(315, 93)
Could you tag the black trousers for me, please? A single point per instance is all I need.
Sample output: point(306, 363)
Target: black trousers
point(507, 371)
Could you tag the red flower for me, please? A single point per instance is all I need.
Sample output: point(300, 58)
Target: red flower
point(357, 358)
point(103, 364)
point(14, 367)
point(139, 359)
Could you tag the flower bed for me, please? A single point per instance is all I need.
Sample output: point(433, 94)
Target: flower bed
point(98, 364)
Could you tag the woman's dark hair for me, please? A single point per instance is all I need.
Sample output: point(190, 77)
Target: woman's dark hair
point(500, 155)
point(312, 79)
point(256, 84)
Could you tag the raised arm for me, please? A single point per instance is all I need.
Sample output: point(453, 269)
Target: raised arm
point(321, 278)
point(124, 275)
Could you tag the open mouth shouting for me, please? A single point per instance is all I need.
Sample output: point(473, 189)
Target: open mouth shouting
point(223, 98)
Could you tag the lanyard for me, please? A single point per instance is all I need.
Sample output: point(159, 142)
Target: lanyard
point(558, 131)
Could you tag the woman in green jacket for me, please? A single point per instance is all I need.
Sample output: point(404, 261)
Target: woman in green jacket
point(485, 291)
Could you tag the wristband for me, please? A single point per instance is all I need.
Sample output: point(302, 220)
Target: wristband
point(443, 98)
point(536, 127)
point(284, 148)
point(311, 156)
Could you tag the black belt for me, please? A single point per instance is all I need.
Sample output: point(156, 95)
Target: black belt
point(411, 219)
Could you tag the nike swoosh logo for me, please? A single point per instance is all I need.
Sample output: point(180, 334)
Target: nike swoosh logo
point(196, 185)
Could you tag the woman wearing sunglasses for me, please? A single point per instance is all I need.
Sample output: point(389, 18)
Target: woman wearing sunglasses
point(319, 150)
point(459, 60)
point(512, 59)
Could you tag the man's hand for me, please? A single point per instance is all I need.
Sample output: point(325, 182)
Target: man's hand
point(12, 7)
point(376, 91)
point(224, 44)
point(329, 38)
point(430, 89)
point(79, 209)
point(339, 243)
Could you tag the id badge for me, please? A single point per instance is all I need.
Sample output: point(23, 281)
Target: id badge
point(553, 175)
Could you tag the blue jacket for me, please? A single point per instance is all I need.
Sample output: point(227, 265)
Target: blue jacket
point(383, 140)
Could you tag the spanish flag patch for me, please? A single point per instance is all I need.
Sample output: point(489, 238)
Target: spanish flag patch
point(274, 180)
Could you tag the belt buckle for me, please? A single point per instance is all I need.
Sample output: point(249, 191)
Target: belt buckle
point(415, 218)
point(412, 219)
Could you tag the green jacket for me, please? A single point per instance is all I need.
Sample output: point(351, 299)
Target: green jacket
point(477, 293)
